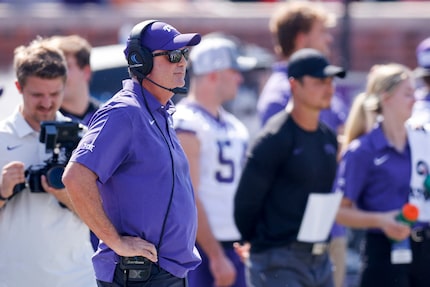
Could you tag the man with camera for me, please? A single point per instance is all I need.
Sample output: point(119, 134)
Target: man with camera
point(43, 242)
point(77, 102)
point(129, 178)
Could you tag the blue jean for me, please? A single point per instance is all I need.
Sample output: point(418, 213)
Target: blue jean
point(283, 266)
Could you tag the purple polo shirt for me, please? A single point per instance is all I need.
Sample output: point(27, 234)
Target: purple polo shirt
point(132, 152)
point(373, 174)
point(277, 92)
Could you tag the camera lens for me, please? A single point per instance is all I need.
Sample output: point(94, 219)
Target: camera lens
point(54, 175)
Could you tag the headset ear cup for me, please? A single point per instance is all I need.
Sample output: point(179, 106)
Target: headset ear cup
point(139, 58)
point(148, 60)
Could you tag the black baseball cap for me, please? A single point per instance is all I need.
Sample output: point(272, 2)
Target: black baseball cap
point(310, 62)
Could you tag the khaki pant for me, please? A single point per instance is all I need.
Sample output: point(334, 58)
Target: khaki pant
point(338, 255)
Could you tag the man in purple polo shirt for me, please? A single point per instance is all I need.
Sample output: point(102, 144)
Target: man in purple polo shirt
point(129, 178)
point(295, 26)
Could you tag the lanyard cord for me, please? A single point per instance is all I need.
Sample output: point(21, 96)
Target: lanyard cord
point(173, 174)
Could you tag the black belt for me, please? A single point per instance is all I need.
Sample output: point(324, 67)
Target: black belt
point(138, 275)
point(318, 248)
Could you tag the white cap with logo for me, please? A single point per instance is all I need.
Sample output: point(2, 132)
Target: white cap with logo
point(216, 54)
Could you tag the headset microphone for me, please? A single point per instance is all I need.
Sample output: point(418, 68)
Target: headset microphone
point(180, 90)
point(177, 90)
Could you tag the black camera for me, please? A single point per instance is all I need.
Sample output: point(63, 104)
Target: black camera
point(60, 139)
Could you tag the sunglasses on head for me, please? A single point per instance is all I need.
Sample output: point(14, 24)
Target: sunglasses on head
point(174, 56)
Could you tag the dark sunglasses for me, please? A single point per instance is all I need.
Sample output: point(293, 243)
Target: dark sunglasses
point(174, 56)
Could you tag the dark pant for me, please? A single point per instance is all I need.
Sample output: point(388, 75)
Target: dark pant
point(159, 278)
point(289, 266)
point(379, 271)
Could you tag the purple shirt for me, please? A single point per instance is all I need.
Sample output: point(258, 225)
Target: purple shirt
point(131, 146)
point(373, 174)
point(277, 92)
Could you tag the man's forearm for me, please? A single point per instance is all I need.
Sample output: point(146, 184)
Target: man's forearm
point(84, 195)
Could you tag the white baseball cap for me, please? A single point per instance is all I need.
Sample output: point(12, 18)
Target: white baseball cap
point(216, 54)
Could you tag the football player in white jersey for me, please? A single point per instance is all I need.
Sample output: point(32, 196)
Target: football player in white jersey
point(215, 142)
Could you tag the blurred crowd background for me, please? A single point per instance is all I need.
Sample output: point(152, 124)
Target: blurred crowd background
point(367, 32)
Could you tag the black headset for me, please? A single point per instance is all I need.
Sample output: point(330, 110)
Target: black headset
point(139, 58)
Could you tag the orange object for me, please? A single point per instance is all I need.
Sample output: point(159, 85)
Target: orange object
point(410, 212)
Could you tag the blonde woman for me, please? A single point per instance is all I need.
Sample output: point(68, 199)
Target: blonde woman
point(361, 120)
point(374, 175)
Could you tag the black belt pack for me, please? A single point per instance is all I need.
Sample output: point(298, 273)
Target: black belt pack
point(137, 268)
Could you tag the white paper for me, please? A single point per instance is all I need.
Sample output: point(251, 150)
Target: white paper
point(319, 216)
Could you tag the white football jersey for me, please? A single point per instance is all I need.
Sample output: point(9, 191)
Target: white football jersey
point(223, 143)
point(419, 139)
